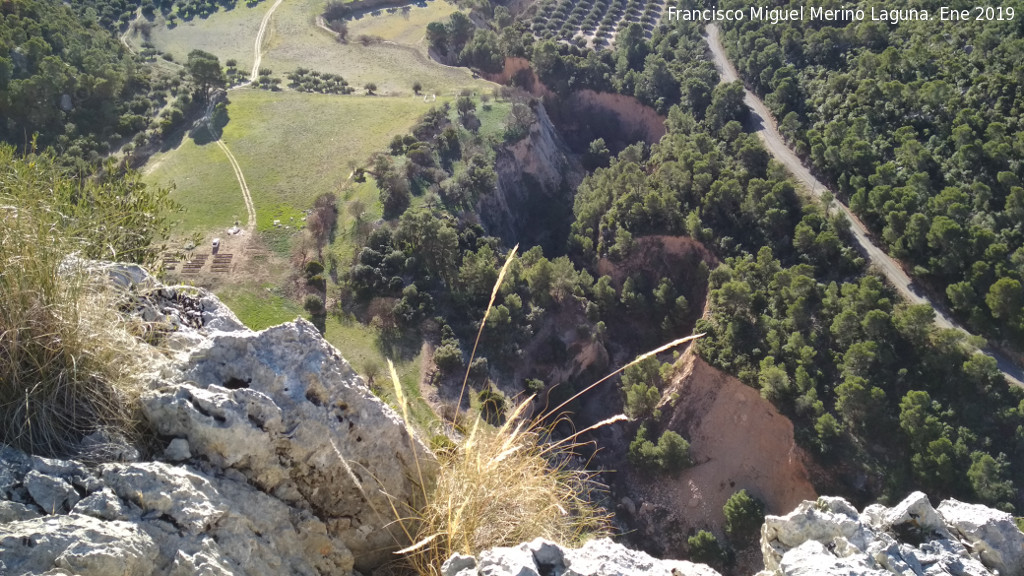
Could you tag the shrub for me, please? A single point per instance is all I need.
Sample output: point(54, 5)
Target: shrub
point(498, 487)
point(704, 548)
point(313, 304)
point(670, 454)
point(314, 267)
point(492, 405)
point(744, 515)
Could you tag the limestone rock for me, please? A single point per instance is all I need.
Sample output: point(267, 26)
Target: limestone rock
point(600, 557)
point(278, 459)
point(828, 536)
point(53, 495)
point(992, 535)
point(459, 565)
point(285, 411)
point(79, 544)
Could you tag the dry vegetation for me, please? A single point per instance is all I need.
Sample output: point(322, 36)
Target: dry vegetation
point(68, 358)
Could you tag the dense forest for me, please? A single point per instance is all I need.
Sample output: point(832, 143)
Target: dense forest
point(888, 400)
point(918, 127)
point(68, 86)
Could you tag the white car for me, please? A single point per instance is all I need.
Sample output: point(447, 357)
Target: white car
point(216, 243)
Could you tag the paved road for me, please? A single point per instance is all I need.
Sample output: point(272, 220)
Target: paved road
point(764, 123)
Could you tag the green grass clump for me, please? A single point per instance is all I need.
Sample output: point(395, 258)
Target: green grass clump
point(68, 358)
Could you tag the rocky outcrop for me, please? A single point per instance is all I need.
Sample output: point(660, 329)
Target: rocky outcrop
point(273, 457)
point(595, 558)
point(532, 203)
point(829, 537)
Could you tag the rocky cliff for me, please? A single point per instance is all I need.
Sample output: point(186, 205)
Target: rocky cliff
point(823, 537)
point(536, 179)
point(273, 458)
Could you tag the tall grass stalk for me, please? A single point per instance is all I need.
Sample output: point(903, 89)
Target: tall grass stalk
point(490, 304)
point(499, 486)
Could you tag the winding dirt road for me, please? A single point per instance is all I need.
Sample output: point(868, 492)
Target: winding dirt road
point(762, 122)
point(259, 41)
point(249, 208)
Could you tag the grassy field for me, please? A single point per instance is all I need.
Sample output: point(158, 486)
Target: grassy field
point(291, 146)
point(403, 27)
point(294, 41)
point(229, 34)
point(204, 185)
point(294, 146)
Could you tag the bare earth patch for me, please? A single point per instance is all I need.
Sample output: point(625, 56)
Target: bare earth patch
point(737, 440)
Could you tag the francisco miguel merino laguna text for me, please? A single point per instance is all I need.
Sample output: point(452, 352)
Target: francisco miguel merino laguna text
point(776, 15)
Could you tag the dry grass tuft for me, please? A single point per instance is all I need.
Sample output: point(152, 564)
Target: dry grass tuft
point(68, 361)
point(499, 487)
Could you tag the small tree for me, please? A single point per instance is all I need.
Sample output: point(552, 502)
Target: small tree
point(704, 548)
point(205, 71)
point(314, 304)
point(744, 515)
point(370, 88)
point(675, 451)
point(465, 105)
point(416, 87)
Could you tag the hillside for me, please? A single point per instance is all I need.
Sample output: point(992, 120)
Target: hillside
point(440, 287)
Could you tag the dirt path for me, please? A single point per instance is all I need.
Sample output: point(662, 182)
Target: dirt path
point(124, 40)
point(249, 208)
point(765, 127)
point(259, 41)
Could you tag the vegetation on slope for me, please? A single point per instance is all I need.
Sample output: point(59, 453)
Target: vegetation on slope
point(67, 85)
point(917, 127)
point(792, 312)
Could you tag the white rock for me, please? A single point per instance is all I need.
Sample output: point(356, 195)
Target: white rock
point(600, 557)
point(516, 561)
point(992, 535)
point(177, 450)
point(81, 545)
point(459, 565)
point(283, 409)
point(52, 494)
point(606, 558)
point(829, 537)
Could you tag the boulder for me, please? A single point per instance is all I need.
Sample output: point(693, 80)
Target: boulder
point(829, 537)
point(992, 535)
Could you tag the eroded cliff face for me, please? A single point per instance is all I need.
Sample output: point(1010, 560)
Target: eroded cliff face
point(738, 440)
point(537, 177)
point(275, 458)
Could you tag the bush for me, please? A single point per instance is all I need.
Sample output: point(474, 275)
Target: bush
point(670, 454)
point(313, 304)
point(492, 405)
point(314, 267)
point(704, 548)
point(448, 358)
point(498, 487)
point(744, 515)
